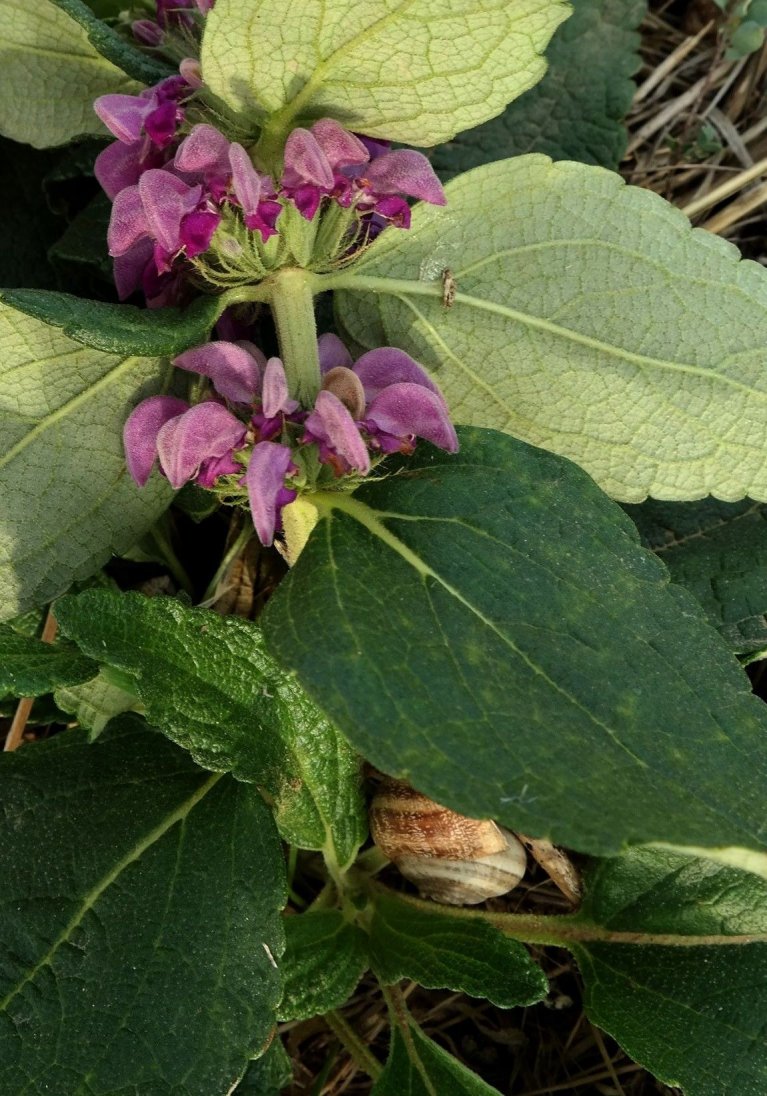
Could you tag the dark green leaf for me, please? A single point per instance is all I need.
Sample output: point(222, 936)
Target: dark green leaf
point(267, 1075)
point(718, 550)
point(487, 626)
point(576, 112)
point(119, 328)
point(209, 684)
point(85, 239)
point(325, 957)
point(29, 667)
point(113, 46)
point(674, 957)
point(29, 224)
point(140, 919)
point(418, 1067)
point(443, 952)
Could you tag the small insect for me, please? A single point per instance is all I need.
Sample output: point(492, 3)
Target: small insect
point(448, 287)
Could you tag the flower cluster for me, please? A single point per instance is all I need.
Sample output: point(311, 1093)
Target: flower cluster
point(251, 436)
point(172, 15)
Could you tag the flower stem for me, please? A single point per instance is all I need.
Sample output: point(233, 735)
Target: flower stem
point(292, 303)
point(353, 1044)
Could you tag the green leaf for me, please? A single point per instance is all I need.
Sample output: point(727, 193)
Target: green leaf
point(119, 328)
point(718, 550)
point(140, 919)
point(412, 71)
point(418, 1067)
point(209, 684)
point(443, 952)
point(325, 957)
point(29, 224)
point(29, 667)
point(85, 239)
point(51, 75)
point(96, 702)
point(68, 501)
point(576, 112)
point(267, 1075)
point(501, 640)
point(590, 319)
point(676, 969)
point(120, 51)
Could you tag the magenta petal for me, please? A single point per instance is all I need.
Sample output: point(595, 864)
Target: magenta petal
point(331, 422)
point(129, 269)
point(377, 369)
point(196, 231)
point(234, 372)
point(341, 148)
point(305, 162)
point(405, 171)
point(161, 124)
point(141, 430)
point(128, 222)
point(206, 430)
point(332, 353)
point(124, 115)
point(274, 393)
point(205, 151)
point(403, 409)
point(147, 32)
point(245, 180)
point(166, 199)
point(265, 480)
point(119, 166)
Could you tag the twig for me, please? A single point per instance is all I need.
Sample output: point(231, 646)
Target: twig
point(24, 707)
point(670, 63)
point(724, 190)
point(736, 211)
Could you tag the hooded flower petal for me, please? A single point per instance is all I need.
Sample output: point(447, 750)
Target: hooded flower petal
point(166, 199)
point(204, 152)
point(330, 423)
point(377, 369)
point(265, 480)
point(204, 431)
point(119, 166)
point(234, 371)
point(129, 268)
point(341, 147)
point(274, 394)
point(403, 409)
point(124, 115)
point(332, 353)
point(405, 171)
point(245, 179)
point(128, 222)
point(141, 430)
point(305, 162)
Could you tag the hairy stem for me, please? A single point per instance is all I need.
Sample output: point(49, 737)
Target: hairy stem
point(351, 1041)
point(292, 302)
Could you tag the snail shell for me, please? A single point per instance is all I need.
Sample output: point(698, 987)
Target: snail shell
point(450, 858)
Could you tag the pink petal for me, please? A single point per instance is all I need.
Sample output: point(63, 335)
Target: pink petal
point(128, 222)
point(124, 115)
point(341, 148)
point(119, 166)
point(234, 371)
point(305, 162)
point(205, 151)
point(191, 71)
point(166, 199)
point(245, 180)
point(141, 430)
point(403, 409)
point(274, 394)
point(331, 422)
point(129, 268)
point(332, 352)
point(377, 369)
point(204, 431)
point(405, 171)
point(265, 480)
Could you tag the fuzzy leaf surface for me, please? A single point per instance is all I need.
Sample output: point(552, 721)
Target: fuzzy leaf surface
point(407, 70)
point(267, 1075)
point(52, 72)
point(118, 50)
point(119, 328)
point(96, 702)
point(140, 896)
point(29, 667)
point(68, 501)
point(443, 952)
point(418, 1067)
point(590, 320)
point(576, 112)
point(676, 969)
point(208, 683)
point(325, 957)
point(487, 626)
point(718, 550)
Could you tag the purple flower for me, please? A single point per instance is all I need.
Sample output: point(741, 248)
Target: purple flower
point(268, 467)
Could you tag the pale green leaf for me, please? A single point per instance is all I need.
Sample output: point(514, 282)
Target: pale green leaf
point(68, 501)
point(440, 951)
point(590, 320)
point(51, 75)
point(141, 931)
point(418, 1067)
point(499, 638)
point(94, 703)
point(407, 70)
point(208, 683)
point(325, 957)
point(120, 49)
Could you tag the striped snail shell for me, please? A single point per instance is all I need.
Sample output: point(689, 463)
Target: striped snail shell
point(450, 858)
